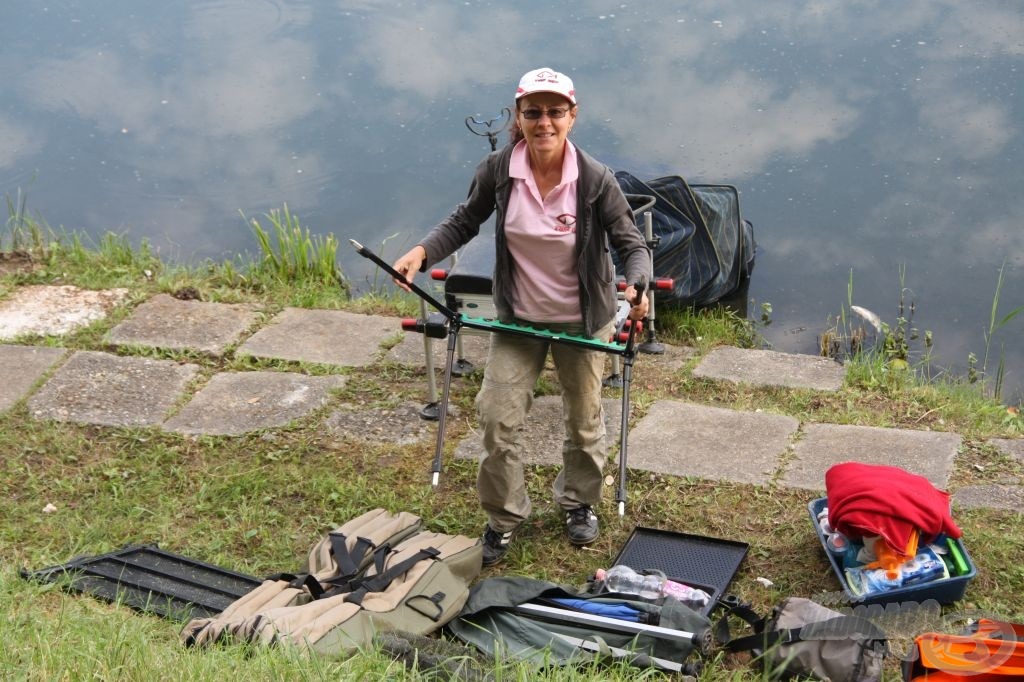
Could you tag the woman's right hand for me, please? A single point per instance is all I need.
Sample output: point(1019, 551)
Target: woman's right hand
point(408, 265)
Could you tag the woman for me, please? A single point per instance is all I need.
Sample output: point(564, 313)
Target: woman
point(559, 212)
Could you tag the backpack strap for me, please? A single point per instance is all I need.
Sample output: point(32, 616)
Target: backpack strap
point(757, 623)
point(348, 561)
point(433, 609)
point(841, 627)
point(299, 581)
point(380, 581)
point(345, 584)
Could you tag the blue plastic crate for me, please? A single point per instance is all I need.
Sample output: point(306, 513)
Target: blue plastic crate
point(943, 591)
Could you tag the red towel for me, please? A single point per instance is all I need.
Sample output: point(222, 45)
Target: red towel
point(871, 499)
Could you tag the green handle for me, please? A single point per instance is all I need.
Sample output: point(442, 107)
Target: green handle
point(584, 341)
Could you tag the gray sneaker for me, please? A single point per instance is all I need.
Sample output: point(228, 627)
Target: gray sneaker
point(495, 545)
point(581, 525)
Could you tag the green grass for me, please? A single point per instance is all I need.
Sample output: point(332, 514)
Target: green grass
point(256, 503)
point(291, 256)
point(22, 232)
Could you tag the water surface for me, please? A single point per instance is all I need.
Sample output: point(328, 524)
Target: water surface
point(866, 138)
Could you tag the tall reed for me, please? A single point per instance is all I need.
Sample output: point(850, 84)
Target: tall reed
point(995, 323)
point(24, 233)
point(290, 254)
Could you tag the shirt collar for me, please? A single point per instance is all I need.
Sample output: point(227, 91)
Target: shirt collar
point(519, 163)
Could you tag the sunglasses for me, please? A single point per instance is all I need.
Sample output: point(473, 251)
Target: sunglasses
point(553, 112)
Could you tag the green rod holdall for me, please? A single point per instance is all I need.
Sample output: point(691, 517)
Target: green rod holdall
point(560, 629)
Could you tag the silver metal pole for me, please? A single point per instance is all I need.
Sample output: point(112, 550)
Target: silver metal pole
point(603, 621)
point(651, 345)
point(649, 236)
point(427, 349)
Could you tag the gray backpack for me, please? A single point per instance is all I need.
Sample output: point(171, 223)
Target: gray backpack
point(803, 639)
point(378, 572)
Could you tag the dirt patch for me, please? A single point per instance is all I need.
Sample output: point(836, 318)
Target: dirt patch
point(14, 262)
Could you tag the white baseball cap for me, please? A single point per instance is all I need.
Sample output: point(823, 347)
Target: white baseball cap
point(546, 80)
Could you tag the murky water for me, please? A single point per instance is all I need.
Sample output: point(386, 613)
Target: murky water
point(864, 137)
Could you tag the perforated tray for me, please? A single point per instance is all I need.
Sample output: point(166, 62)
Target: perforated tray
point(146, 578)
point(695, 560)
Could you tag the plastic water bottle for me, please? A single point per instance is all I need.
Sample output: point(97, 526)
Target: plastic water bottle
point(693, 597)
point(838, 543)
point(625, 580)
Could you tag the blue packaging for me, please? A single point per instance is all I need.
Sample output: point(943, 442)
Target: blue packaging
point(926, 567)
point(923, 568)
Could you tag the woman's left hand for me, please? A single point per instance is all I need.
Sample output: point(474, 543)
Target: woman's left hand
point(639, 309)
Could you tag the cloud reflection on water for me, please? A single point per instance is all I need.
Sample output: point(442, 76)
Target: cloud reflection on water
point(862, 135)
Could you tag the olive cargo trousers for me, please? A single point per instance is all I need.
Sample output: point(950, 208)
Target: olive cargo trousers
point(513, 365)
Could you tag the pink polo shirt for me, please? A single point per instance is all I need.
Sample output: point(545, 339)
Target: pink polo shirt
point(541, 237)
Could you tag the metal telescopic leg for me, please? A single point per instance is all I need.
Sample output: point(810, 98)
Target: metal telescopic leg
point(462, 366)
point(627, 377)
point(443, 407)
point(429, 410)
point(651, 346)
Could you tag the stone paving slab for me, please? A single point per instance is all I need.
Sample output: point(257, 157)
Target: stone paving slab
point(54, 310)
point(233, 403)
point(332, 337)
point(110, 390)
point(1009, 497)
point(411, 351)
point(543, 432)
point(771, 368)
point(21, 367)
point(686, 439)
point(926, 453)
point(166, 322)
point(401, 425)
point(1012, 447)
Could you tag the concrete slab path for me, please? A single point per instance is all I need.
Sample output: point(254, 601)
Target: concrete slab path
point(332, 337)
point(771, 368)
point(111, 390)
point(21, 367)
point(926, 453)
point(686, 439)
point(47, 310)
point(233, 403)
point(1010, 447)
point(674, 437)
point(165, 322)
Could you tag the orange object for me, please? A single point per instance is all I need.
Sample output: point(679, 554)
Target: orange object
point(890, 558)
point(994, 652)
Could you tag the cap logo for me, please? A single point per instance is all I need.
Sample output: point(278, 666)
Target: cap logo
point(546, 80)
